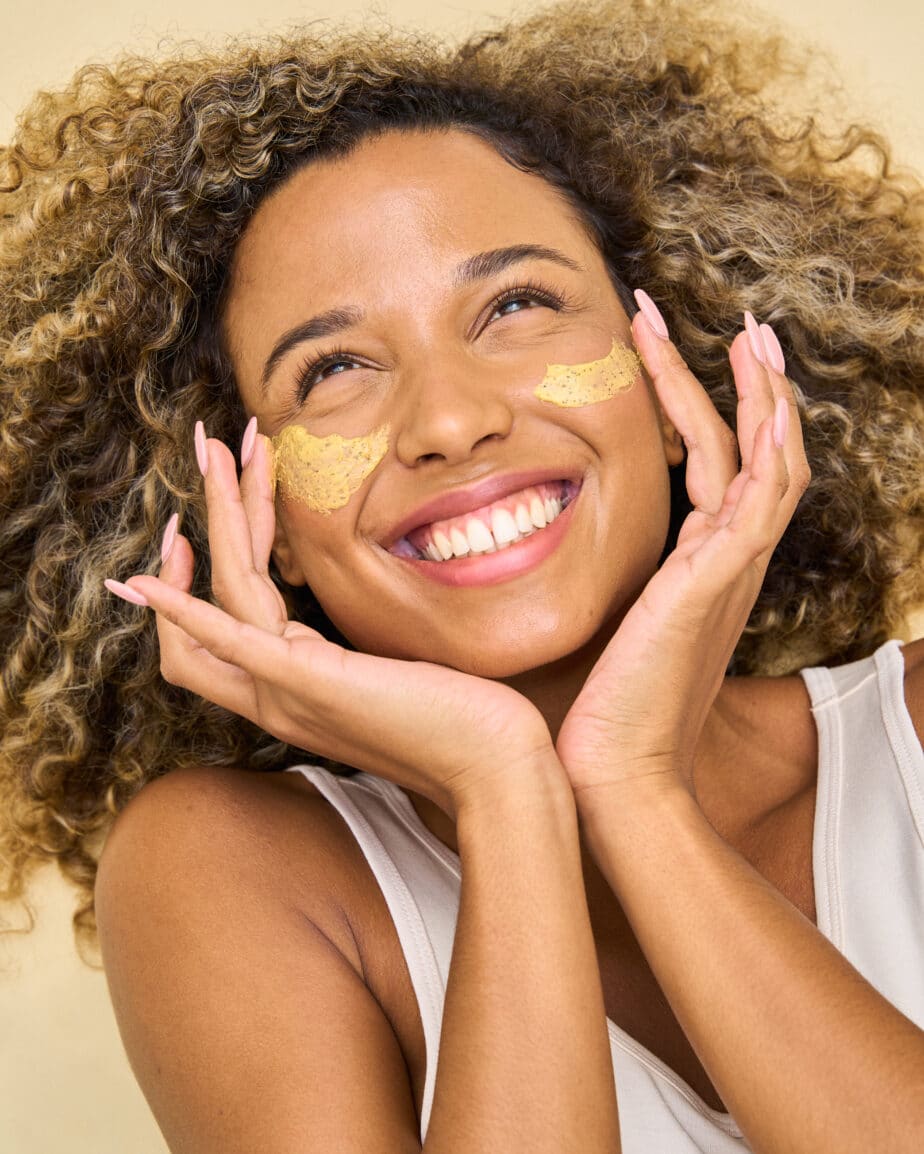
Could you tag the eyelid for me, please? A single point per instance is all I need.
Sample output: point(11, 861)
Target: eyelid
point(530, 287)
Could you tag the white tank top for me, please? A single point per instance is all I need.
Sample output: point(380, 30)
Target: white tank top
point(868, 858)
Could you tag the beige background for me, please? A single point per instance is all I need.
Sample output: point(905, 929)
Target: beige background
point(65, 1085)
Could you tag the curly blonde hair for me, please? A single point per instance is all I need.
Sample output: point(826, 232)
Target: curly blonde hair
point(123, 197)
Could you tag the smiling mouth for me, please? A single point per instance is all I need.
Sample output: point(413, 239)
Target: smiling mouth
point(492, 527)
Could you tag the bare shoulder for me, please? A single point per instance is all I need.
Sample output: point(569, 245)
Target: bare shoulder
point(222, 901)
point(226, 828)
point(913, 653)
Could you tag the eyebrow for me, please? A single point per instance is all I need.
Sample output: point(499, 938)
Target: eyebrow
point(481, 266)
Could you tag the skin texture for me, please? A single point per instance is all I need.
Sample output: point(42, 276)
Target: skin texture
point(383, 230)
point(574, 385)
point(660, 750)
point(324, 472)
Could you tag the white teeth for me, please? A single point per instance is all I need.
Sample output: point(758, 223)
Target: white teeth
point(476, 538)
point(442, 542)
point(479, 537)
point(460, 545)
point(503, 527)
point(523, 520)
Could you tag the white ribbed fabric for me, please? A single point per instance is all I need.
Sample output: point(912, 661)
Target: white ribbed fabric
point(868, 854)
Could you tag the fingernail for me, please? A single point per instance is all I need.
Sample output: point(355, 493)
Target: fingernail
point(166, 546)
point(774, 351)
point(652, 314)
point(247, 444)
point(125, 592)
point(780, 421)
point(757, 341)
point(202, 452)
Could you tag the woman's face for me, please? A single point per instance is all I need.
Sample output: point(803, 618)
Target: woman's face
point(403, 250)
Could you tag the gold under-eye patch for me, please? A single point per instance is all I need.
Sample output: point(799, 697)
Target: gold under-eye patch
point(324, 472)
point(590, 383)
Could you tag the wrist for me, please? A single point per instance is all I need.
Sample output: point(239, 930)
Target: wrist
point(636, 799)
point(534, 783)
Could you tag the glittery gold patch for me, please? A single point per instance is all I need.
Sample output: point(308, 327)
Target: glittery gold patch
point(588, 384)
point(324, 472)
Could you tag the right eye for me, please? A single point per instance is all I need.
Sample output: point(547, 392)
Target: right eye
point(312, 371)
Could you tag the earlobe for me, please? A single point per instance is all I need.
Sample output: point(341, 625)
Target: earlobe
point(673, 442)
point(289, 570)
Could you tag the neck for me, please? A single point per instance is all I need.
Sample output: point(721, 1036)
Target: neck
point(553, 688)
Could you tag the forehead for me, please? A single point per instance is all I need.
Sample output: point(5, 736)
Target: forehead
point(401, 200)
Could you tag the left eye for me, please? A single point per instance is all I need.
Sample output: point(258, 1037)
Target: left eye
point(525, 298)
point(525, 301)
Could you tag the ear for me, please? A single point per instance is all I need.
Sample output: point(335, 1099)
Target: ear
point(289, 569)
point(673, 442)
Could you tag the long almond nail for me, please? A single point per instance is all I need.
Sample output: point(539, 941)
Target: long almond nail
point(166, 546)
point(652, 314)
point(774, 351)
point(202, 452)
point(249, 441)
point(757, 342)
point(125, 592)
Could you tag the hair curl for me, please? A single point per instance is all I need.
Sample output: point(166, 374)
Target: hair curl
point(124, 196)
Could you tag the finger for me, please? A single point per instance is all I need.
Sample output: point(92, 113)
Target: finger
point(712, 457)
point(236, 583)
point(794, 446)
point(264, 655)
point(751, 529)
point(258, 499)
point(183, 661)
point(748, 359)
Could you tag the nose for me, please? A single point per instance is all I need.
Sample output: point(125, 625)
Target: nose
point(448, 413)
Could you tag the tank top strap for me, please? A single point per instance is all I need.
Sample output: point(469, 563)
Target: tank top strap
point(869, 824)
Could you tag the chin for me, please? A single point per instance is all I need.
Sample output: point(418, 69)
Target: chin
point(483, 650)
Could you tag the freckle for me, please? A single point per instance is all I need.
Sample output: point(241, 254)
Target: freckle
point(324, 472)
point(571, 386)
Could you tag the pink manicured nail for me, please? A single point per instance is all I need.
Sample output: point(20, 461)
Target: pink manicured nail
point(780, 421)
point(202, 452)
point(757, 341)
point(125, 592)
point(166, 546)
point(774, 352)
point(652, 314)
point(247, 444)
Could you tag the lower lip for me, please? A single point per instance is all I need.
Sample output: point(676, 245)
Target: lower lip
point(505, 564)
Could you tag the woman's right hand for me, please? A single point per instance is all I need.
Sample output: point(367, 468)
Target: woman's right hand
point(446, 735)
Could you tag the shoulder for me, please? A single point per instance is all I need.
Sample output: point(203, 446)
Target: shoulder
point(913, 654)
point(206, 836)
point(233, 970)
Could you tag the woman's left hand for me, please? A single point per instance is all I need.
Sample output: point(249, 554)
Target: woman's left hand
point(636, 723)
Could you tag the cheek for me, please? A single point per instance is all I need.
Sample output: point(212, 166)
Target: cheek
point(574, 386)
point(323, 473)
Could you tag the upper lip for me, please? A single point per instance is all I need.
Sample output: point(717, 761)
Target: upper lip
point(455, 502)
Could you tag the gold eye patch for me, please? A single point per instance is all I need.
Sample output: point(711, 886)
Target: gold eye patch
point(590, 383)
point(324, 472)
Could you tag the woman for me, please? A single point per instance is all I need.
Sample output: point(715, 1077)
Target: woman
point(503, 573)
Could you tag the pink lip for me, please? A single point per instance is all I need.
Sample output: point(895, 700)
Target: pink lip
point(505, 564)
point(460, 501)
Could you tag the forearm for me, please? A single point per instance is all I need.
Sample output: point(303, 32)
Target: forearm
point(524, 1062)
point(804, 1052)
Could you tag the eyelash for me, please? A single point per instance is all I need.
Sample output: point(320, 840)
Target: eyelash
point(305, 378)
